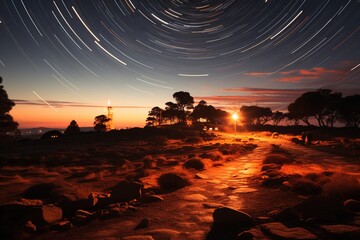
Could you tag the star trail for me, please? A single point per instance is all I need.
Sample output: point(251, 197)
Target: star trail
point(139, 52)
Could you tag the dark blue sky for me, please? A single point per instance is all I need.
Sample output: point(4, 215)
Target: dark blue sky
point(138, 53)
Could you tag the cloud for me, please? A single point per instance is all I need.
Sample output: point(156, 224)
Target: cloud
point(60, 104)
point(317, 74)
point(267, 91)
point(314, 74)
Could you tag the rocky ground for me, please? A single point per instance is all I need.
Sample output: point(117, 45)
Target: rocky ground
point(248, 186)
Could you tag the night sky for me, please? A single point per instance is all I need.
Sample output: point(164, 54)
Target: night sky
point(62, 60)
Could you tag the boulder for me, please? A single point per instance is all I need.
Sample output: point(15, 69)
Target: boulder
point(352, 205)
point(279, 230)
point(152, 198)
point(229, 217)
point(126, 191)
point(45, 214)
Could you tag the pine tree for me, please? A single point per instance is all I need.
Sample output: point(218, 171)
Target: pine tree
point(7, 124)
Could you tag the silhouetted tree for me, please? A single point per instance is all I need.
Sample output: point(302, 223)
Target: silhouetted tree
point(208, 112)
point(72, 129)
point(277, 117)
point(254, 115)
point(7, 123)
point(184, 101)
point(321, 104)
point(349, 111)
point(155, 115)
point(100, 123)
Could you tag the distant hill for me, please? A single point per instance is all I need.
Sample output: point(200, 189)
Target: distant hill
point(42, 130)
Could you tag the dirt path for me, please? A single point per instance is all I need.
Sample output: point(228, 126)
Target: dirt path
point(187, 213)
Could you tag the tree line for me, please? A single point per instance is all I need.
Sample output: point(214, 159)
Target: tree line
point(323, 108)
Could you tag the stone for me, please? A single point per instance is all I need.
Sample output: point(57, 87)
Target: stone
point(138, 237)
point(143, 224)
point(152, 199)
point(352, 205)
point(225, 216)
point(201, 176)
point(45, 214)
point(279, 230)
point(30, 227)
point(63, 225)
point(126, 191)
point(212, 205)
point(341, 229)
point(245, 236)
point(196, 197)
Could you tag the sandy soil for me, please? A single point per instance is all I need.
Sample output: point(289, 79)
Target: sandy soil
point(233, 182)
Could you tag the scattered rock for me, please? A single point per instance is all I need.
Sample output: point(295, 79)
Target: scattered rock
point(138, 237)
point(143, 224)
point(279, 230)
point(195, 197)
point(125, 191)
point(152, 199)
point(225, 216)
point(30, 227)
point(63, 225)
point(201, 176)
point(353, 205)
point(341, 230)
point(212, 205)
point(45, 214)
point(245, 236)
point(269, 166)
point(274, 181)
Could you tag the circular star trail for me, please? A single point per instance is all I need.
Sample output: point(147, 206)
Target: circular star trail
point(83, 51)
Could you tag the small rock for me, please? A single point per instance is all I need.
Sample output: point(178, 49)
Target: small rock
point(63, 225)
point(195, 197)
point(225, 216)
point(30, 227)
point(201, 176)
point(279, 230)
point(46, 214)
point(341, 229)
point(152, 198)
point(353, 205)
point(286, 215)
point(143, 224)
point(212, 205)
point(125, 191)
point(138, 237)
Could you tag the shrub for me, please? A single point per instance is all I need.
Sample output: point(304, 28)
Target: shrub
point(343, 186)
point(172, 181)
point(214, 156)
point(306, 187)
point(279, 159)
point(194, 163)
point(194, 140)
point(158, 140)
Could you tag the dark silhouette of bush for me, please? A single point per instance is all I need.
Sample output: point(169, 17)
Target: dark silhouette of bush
point(193, 140)
point(54, 134)
point(72, 129)
point(7, 124)
point(173, 181)
point(194, 163)
point(279, 159)
point(100, 123)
